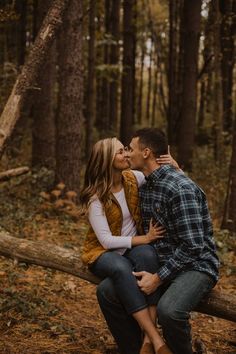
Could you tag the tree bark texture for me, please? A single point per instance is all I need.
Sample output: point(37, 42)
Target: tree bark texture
point(218, 93)
point(175, 67)
point(228, 11)
point(128, 82)
point(105, 87)
point(114, 61)
point(69, 118)
point(229, 217)
point(59, 258)
point(90, 99)
point(149, 82)
point(186, 132)
point(30, 71)
point(43, 129)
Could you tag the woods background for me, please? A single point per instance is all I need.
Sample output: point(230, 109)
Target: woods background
point(108, 68)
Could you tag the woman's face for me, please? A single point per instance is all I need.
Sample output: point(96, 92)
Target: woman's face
point(120, 160)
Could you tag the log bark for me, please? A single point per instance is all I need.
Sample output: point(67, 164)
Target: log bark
point(55, 257)
point(27, 79)
point(6, 175)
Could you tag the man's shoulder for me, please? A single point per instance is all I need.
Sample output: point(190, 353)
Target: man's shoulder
point(177, 182)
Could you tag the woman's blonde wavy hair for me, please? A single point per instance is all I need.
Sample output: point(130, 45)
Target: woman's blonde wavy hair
point(98, 175)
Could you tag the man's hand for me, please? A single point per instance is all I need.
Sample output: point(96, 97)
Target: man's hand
point(149, 282)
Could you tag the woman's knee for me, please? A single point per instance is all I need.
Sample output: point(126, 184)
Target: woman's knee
point(106, 292)
point(145, 258)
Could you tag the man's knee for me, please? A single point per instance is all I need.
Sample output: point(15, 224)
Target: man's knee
point(170, 313)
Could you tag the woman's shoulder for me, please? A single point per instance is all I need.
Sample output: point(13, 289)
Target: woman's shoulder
point(134, 175)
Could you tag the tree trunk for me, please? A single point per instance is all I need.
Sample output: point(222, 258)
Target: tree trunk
point(186, 132)
point(43, 129)
point(228, 59)
point(175, 67)
point(149, 83)
point(229, 216)
point(90, 99)
point(127, 95)
point(140, 92)
point(30, 71)
point(172, 71)
point(21, 8)
point(218, 96)
point(105, 87)
point(59, 258)
point(70, 106)
point(155, 86)
point(114, 61)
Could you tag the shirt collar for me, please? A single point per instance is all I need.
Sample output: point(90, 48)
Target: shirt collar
point(158, 173)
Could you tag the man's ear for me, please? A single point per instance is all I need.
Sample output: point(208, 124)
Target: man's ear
point(146, 153)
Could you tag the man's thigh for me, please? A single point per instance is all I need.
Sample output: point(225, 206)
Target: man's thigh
point(186, 291)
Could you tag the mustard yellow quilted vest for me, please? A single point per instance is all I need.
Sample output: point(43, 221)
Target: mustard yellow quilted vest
point(92, 248)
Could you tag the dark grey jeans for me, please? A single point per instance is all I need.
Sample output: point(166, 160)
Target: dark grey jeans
point(119, 269)
point(175, 304)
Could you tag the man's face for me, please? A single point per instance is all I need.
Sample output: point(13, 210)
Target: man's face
point(135, 155)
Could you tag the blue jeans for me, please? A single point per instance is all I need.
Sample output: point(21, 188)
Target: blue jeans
point(119, 269)
point(176, 302)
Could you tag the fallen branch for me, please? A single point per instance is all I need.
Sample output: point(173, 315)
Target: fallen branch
point(59, 258)
point(6, 175)
point(30, 71)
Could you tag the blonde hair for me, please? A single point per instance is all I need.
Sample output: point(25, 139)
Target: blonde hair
point(98, 175)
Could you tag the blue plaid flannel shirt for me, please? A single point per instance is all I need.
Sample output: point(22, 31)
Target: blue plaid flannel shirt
point(176, 202)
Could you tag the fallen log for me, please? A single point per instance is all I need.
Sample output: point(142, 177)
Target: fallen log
point(30, 71)
point(6, 175)
point(47, 255)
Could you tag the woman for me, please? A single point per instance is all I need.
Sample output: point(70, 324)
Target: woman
point(110, 196)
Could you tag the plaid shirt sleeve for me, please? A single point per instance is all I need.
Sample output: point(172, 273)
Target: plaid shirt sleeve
point(186, 212)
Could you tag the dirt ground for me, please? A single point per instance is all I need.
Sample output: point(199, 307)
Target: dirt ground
point(46, 311)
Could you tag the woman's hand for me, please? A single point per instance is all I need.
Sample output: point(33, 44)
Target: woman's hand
point(155, 232)
point(167, 159)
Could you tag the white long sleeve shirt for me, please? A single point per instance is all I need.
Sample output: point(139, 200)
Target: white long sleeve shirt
point(98, 221)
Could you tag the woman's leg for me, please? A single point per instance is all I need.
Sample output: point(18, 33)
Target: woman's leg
point(144, 258)
point(119, 269)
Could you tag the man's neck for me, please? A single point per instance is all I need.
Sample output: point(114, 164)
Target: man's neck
point(149, 167)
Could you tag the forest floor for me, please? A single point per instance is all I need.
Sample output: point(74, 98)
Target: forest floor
point(46, 311)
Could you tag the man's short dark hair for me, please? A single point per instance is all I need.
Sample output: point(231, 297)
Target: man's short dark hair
point(154, 139)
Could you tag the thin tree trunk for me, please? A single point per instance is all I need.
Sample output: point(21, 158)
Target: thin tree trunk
point(201, 113)
point(127, 99)
point(149, 83)
point(105, 92)
point(70, 105)
point(172, 70)
point(21, 8)
point(43, 129)
point(140, 92)
point(30, 71)
point(114, 61)
point(218, 96)
point(229, 216)
point(186, 133)
point(154, 95)
point(228, 59)
point(90, 100)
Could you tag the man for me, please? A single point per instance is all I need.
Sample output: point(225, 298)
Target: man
point(188, 265)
